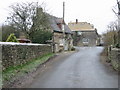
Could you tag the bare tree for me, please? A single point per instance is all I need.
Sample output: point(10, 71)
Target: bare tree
point(32, 20)
point(112, 26)
point(25, 16)
point(110, 37)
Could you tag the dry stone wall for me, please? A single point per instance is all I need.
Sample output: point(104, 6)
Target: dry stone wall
point(114, 57)
point(17, 54)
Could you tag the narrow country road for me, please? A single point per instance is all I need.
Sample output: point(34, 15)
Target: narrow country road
point(82, 69)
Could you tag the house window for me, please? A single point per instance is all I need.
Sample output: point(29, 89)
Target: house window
point(85, 40)
point(79, 33)
point(82, 23)
point(61, 41)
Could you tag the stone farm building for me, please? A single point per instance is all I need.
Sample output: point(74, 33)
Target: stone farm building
point(84, 34)
point(58, 36)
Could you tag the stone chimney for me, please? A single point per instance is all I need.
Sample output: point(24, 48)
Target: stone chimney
point(76, 21)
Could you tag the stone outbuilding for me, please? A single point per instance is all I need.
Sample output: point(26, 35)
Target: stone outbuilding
point(61, 40)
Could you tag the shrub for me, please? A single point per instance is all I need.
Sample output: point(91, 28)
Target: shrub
point(41, 36)
point(12, 38)
point(6, 30)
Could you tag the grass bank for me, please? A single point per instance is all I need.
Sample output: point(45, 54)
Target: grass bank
point(21, 70)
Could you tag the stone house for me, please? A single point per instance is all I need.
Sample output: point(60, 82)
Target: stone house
point(60, 41)
point(84, 34)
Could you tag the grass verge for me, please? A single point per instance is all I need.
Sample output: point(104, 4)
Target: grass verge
point(20, 70)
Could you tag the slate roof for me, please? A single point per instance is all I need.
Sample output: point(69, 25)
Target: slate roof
point(53, 23)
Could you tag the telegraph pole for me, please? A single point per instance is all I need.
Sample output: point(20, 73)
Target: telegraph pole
point(63, 11)
point(63, 25)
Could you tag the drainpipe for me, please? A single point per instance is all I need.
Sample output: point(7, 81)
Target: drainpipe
point(53, 42)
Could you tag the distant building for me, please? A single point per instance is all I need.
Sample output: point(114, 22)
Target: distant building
point(59, 42)
point(84, 34)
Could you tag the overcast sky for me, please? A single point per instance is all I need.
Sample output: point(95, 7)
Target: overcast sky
point(97, 12)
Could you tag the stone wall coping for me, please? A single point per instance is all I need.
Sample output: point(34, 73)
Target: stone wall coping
point(117, 49)
point(29, 44)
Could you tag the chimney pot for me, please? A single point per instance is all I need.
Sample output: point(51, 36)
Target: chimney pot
point(76, 21)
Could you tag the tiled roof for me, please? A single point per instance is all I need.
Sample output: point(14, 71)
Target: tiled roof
point(83, 30)
point(81, 26)
point(53, 24)
point(54, 21)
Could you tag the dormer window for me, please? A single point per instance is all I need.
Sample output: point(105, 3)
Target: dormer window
point(59, 25)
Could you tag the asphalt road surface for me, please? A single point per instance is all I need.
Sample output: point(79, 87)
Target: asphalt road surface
point(82, 69)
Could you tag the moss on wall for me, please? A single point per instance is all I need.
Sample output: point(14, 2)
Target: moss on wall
point(114, 57)
point(13, 55)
